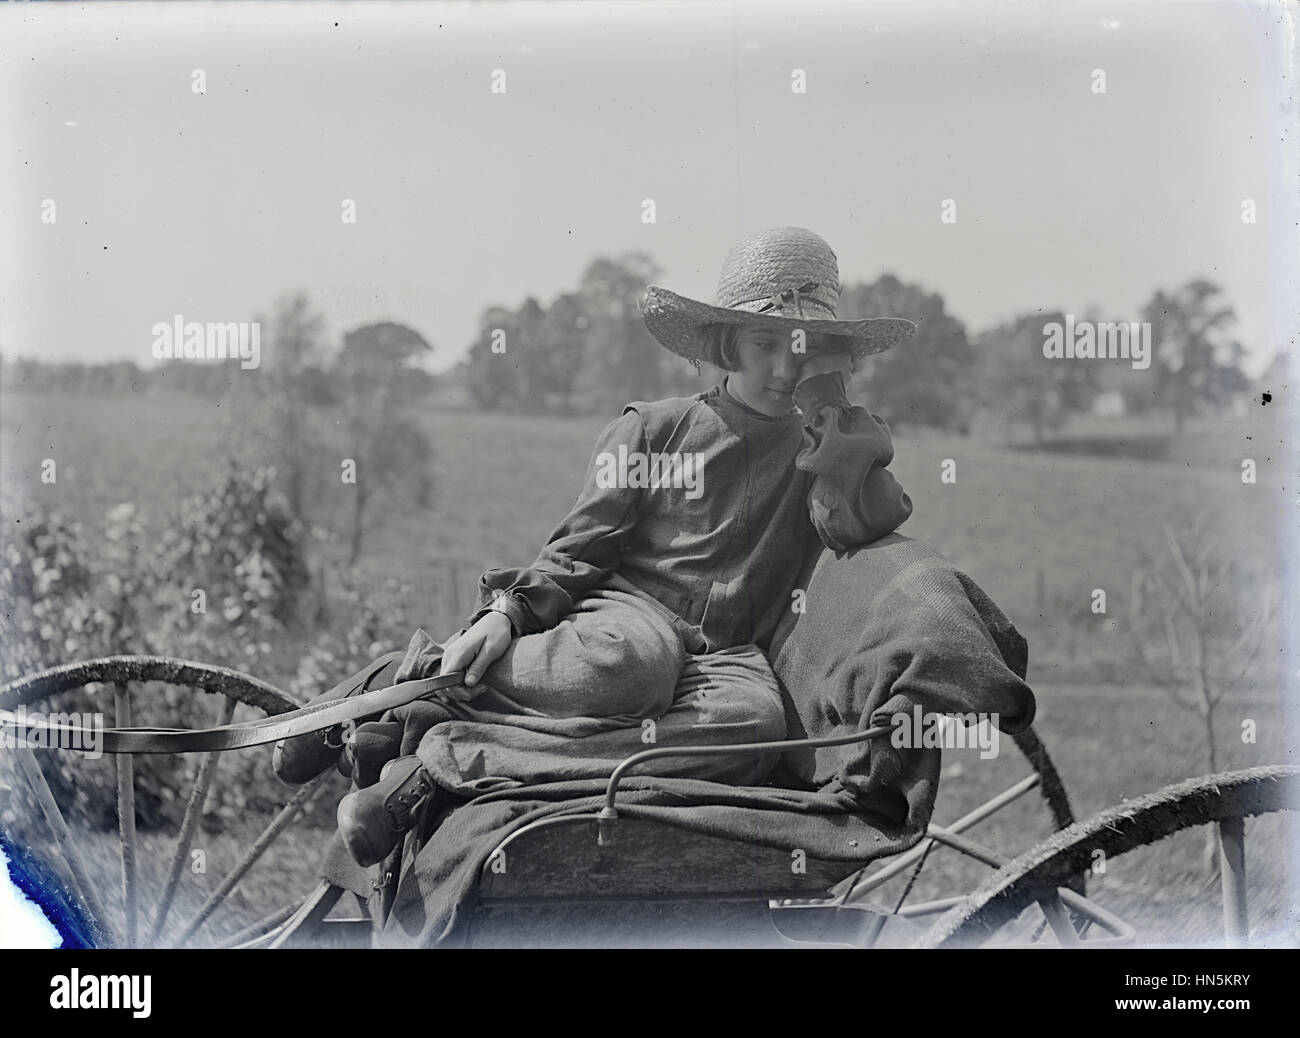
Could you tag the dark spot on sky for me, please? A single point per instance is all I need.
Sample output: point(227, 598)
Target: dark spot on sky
point(1267, 398)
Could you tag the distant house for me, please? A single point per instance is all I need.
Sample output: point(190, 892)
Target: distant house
point(1109, 404)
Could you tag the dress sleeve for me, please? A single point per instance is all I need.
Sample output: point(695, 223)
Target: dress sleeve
point(581, 552)
point(854, 498)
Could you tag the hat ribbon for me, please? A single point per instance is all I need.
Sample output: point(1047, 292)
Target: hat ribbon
point(783, 298)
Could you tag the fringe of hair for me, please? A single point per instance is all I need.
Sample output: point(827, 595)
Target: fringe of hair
point(720, 339)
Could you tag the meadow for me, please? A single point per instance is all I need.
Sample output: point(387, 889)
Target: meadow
point(1039, 529)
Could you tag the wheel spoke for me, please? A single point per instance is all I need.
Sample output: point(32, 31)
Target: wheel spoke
point(262, 928)
point(1232, 869)
point(82, 887)
point(1059, 920)
point(1050, 904)
point(901, 861)
point(189, 824)
point(298, 802)
point(126, 811)
point(310, 914)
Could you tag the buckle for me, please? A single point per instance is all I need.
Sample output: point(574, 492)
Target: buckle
point(333, 737)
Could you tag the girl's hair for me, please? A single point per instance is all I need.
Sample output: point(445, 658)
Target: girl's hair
point(722, 352)
point(721, 348)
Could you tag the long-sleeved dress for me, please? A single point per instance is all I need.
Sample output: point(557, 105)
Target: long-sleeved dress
point(646, 617)
point(723, 559)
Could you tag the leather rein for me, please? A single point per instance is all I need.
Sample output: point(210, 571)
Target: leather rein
point(310, 718)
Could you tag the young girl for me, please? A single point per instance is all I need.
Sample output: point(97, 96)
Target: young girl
point(655, 600)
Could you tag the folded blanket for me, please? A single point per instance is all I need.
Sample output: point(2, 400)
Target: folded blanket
point(887, 627)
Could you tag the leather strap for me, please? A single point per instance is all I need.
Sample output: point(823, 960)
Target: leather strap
point(311, 718)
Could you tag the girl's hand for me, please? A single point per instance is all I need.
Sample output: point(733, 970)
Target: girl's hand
point(475, 651)
point(825, 361)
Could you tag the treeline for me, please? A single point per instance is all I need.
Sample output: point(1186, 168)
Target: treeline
point(588, 351)
point(212, 379)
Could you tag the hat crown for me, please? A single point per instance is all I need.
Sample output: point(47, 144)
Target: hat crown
point(784, 270)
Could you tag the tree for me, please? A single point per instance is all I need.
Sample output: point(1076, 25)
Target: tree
point(386, 445)
point(623, 361)
point(217, 580)
point(535, 369)
point(1016, 381)
point(1197, 625)
point(290, 355)
point(377, 360)
point(1197, 358)
point(924, 378)
point(564, 338)
point(493, 374)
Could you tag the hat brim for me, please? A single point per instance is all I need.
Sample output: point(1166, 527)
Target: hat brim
point(678, 324)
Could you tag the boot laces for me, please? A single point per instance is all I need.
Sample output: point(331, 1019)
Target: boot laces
point(419, 787)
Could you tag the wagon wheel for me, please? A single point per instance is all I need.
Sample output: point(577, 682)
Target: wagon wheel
point(1226, 799)
point(120, 671)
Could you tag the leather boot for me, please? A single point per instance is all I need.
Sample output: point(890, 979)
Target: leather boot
point(373, 820)
point(371, 747)
point(299, 760)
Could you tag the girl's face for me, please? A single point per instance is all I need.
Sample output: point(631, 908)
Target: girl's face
point(769, 369)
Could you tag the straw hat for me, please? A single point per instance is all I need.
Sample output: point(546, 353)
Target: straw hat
point(783, 278)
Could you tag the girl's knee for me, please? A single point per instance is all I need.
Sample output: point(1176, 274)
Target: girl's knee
point(641, 669)
point(635, 662)
point(742, 693)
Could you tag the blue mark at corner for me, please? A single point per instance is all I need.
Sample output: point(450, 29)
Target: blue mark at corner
point(38, 882)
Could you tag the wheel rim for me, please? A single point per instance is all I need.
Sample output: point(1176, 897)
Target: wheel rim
point(121, 672)
point(1225, 798)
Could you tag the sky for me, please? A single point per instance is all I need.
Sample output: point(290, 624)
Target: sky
point(213, 204)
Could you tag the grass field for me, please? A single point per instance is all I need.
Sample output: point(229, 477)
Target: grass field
point(1039, 530)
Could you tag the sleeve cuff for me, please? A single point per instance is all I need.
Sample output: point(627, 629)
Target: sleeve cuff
point(818, 391)
point(508, 605)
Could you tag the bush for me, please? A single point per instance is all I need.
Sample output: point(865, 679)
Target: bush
point(221, 586)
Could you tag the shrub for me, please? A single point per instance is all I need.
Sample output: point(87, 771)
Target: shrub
point(220, 586)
